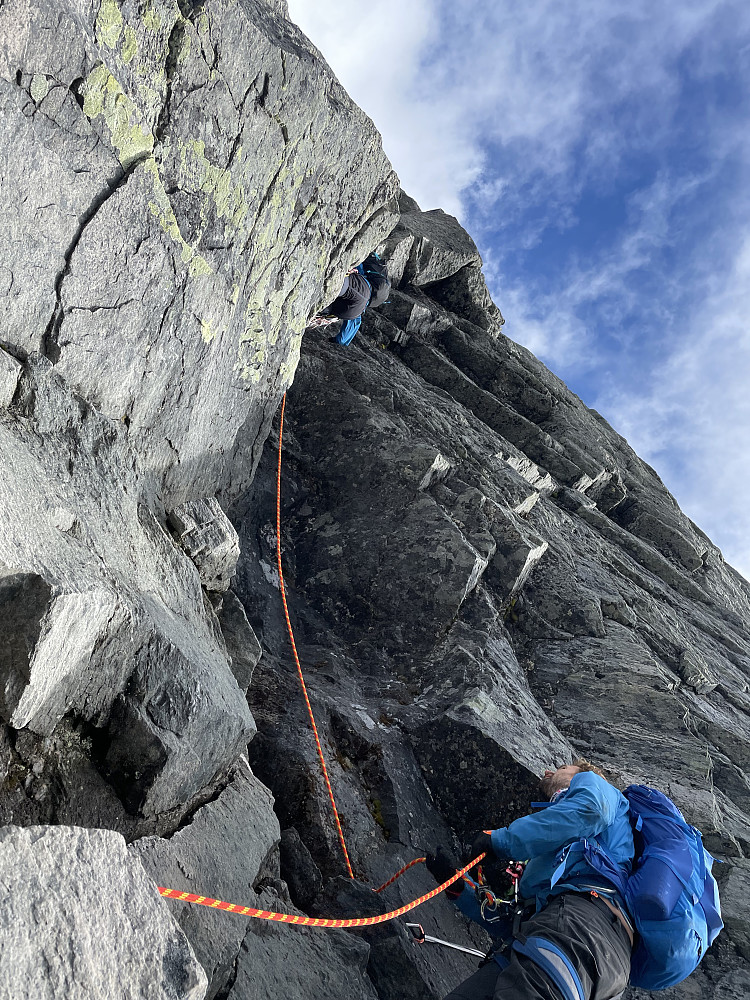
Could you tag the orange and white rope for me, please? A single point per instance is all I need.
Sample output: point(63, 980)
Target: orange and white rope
point(302, 921)
point(294, 651)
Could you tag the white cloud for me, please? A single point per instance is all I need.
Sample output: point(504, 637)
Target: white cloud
point(378, 51)
point(693, 421)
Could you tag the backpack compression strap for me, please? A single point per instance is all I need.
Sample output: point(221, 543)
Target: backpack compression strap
point(554, 963)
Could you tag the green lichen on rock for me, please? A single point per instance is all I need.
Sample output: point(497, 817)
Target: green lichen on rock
point(151, 19)
point(199, 265)
point(109, 23)
point(289, 367)
point(252, 347)
point(39, 87)
point(130, 45)
point(215, 182)
point(161, 208)
point(103, 96)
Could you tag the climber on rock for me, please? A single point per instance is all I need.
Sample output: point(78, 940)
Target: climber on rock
point(569, 936)
point(365, 286)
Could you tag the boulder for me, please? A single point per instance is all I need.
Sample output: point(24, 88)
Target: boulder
point(209, 539)
point(81, 919)
point(222, 852)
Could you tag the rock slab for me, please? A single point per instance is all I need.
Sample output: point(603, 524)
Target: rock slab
point(79, 919)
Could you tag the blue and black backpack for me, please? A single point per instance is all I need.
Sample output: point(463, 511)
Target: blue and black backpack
point(670, 891)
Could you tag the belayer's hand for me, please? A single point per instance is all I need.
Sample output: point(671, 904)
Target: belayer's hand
point(442, 865)
point(482, 844)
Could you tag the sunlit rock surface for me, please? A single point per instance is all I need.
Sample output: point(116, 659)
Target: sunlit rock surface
point(82, 920)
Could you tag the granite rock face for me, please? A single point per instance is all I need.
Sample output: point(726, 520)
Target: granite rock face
point(483, 577)
point(80, 919)
point(202, 184)
point(183, 185)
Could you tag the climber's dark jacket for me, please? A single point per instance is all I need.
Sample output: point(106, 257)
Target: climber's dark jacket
point(352, 299)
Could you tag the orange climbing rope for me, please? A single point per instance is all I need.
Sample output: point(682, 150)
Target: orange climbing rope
point(399, 873)
point(296, 657)
point(293, 918)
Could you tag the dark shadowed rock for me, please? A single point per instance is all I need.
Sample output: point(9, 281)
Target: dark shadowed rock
point(242, 645)
point(483, 578)
point(24, 600)
point(592, 617)
point(222, 852)
point(301, 964)
point(299, 870)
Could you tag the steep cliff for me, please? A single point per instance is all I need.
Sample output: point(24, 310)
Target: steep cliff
point(483, 577)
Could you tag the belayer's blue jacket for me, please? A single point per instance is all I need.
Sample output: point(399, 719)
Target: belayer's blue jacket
point(590, 809)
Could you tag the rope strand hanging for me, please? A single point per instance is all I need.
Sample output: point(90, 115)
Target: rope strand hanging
point(294, 648)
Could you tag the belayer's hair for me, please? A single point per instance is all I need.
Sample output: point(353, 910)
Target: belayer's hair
point(604, 772)
point(586, 765)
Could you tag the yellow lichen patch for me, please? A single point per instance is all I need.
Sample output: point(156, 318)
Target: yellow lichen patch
point(215, 182)
point(39, 88)
point(109, 23)
point(208, 332)
point(289, 367)
point(152, 20)
point(252, 347)
point(199, 265)
point(161, 209)
point(130, 45)
point(103, 95)
point(183, 53)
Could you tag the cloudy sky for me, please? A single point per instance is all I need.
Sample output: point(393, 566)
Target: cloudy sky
point(598, 153)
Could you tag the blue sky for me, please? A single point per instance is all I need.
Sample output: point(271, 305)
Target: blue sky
point(598, 153)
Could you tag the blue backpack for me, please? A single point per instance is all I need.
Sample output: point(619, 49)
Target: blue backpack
point(670, 892)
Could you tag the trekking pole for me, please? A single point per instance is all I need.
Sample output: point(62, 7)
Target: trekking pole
point(421, 938)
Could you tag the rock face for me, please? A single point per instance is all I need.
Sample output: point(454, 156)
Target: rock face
point(80, 919)
point(189, 207)
point(482, 576)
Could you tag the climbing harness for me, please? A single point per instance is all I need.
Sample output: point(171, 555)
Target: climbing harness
point(293, 918)
point(417, 932)
point(491, 907)
point(294, 649)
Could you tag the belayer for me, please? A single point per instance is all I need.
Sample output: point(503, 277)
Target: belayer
point(366, 286)
point(617, 888)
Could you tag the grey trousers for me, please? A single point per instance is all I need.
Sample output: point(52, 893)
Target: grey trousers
point(590, 935)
